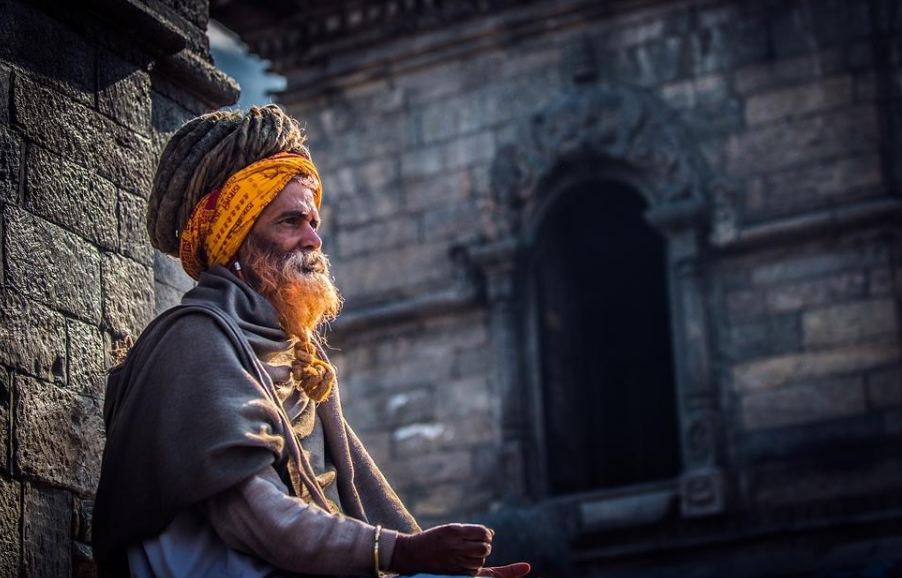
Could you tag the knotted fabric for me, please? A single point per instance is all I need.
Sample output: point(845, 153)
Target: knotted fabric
point(224, 217)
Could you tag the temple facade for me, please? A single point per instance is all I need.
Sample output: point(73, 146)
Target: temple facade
point(622, 278)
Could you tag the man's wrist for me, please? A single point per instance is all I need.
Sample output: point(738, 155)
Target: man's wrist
point(387, 540)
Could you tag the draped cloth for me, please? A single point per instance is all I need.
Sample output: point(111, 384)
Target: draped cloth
point(194, 411)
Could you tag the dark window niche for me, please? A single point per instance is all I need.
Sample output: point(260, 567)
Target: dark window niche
point(608, 387)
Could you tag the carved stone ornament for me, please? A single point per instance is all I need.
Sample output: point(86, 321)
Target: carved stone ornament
point(702, 492)
point(626, 128)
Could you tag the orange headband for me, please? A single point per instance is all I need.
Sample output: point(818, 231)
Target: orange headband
point(223, 218)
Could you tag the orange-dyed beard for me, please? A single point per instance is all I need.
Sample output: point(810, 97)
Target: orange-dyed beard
point(298, 284)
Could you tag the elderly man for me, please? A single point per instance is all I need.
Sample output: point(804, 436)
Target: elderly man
point(227, 452)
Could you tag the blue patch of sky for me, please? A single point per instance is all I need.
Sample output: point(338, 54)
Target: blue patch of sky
point(232, 57)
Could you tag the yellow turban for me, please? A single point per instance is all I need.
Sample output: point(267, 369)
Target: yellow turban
point(223, 218)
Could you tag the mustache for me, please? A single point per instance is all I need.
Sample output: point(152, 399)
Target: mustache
point(306, 261)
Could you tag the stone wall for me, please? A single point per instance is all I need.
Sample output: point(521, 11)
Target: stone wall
point(790, 106)
point(86, 101)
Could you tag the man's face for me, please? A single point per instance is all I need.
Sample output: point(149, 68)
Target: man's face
point(290, 221)
point(282, 259)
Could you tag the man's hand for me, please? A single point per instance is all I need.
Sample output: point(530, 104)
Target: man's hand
point(446, 549)
point(510, 571)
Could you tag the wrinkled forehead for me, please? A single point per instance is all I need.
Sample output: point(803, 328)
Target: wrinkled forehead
point(296, 196)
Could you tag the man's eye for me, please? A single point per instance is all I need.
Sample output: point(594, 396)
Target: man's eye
point(315, 224)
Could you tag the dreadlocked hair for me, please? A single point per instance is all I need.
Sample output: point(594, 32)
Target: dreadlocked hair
point(204, 153)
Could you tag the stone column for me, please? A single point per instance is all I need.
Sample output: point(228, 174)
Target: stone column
point(498, 262)
point(702, 484)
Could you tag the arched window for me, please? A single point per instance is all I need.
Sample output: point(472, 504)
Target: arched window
point(608, 387)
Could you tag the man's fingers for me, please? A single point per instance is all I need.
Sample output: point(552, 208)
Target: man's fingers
point(510, 571)
point(475, 549)
point(476, 532)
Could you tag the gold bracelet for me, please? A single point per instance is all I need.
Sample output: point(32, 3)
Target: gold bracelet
point(379, 573)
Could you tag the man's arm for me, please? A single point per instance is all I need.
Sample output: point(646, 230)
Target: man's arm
point(259, 517)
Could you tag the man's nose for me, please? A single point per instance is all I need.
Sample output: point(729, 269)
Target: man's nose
point(311, 241)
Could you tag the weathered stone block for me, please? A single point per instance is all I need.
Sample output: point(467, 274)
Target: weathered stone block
point(10, 163)
point(425, 470)
point(444, 189)
point(364, 206)
point(378, 174)
point(71, 197)
point(83, 527)
point(409, 407)
point(821, 291)
point(842, 132)
point(645, 64)
point(797, 101)
point(776, 371)
point(432, 83)
point(629, 33)
point(440, 120)
point(796, 266)
point(32, 337)
point(5, 84)
point(450, 500)
point(421, 438)
point(779, 486)
point(804, 404)
point(470, 362)
point(880, 282)
point(84, 135)
point(377, 237)
point(422, 162)
point(802, 26)
point(165, 297)
point(850, 323)
point(168, 271)
point(728, 45)
point(128, 294)
point(469, 150)
point(701, 91)
point(133, 239)
point(812, 187)
point(123, 92)
point(410, 266)
point(88, 359)
point(781, 72)
point(25, 32)
point(5, 419)
point(744, 305)
point(483, 108)
point(83, 565)
point(59, 435)
point(437, 338)
point(167, 115)
point(771, 335)
point(10, 514)
point(884, 388)
point(47, 532)
point(51, 265)
point(453, 224)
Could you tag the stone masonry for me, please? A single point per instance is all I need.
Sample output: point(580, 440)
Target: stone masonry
point(784, 255)
point(87, 98)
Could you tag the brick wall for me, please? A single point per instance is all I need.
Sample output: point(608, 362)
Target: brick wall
point(82, 121)
point(786, 101)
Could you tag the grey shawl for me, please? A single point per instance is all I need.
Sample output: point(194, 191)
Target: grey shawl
point(194, 410)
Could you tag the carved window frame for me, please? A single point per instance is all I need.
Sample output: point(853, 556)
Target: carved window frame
point(627, 135)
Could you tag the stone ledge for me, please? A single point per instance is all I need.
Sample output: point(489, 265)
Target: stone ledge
point(825, 222)
point(145, 25)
